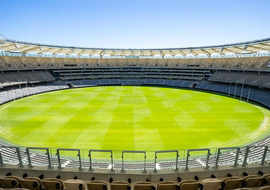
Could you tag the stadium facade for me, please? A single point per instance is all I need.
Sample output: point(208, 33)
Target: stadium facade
point(240, 70)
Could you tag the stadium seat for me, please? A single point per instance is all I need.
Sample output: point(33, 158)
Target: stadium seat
point(52, 184)
point(211, 184)
point(8, 183)
point(189, 185)
point(232, 183)
point(74, 184)
point(169, 185)
point(144, 186)
point(14, 177)
point(119, 185)
point(253, 181)
point(97, 185)
point(27, 183)
point(249, 182)
point(31, 184)
point(266, 178)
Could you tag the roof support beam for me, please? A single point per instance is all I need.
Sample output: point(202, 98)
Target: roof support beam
point(101, 54)
point(243, 50)
point(55, 51)
point(6, 45)
point(214, 50)
point(205, 52)
point(258, 48)
point(29, 49)
point(230, 50)
point(264, 47)
point(41, 50)
point(22, 48)
point(264, 44)
point(10, 48)
point(181, 52)
point(193, 52)
point(80, 52)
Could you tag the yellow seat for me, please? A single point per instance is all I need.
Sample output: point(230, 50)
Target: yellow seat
point(97, 185)
point(74, 184)
point(169, 185)
point(52, 184)
point(232, 183)
point(119, 185)
point(8, 183)
point(189, 185)
point(144, 186)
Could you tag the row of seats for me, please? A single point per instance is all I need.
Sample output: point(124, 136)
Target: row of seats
point(257, 79)
point(247, 78)
point(133, 69)
point(129, 72)
point(229, 182)
point(15, 93)
point(18, 62)
point(82, 77)
point(24, 77)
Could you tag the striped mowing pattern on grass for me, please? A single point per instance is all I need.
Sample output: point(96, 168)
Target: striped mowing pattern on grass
point(132, 118)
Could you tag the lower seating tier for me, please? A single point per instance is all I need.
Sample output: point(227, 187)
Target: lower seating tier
point(24, 77)
point(247, 78)
point(259, 181)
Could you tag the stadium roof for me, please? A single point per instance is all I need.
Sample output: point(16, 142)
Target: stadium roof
point(250, 47)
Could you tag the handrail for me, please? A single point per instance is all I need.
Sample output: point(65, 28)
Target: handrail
point(17, 155)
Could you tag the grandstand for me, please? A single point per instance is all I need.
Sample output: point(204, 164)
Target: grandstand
point(240, 70)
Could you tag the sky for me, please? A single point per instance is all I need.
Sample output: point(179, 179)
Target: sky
point(135, 23)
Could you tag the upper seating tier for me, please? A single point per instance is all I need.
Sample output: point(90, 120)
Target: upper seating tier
point(17, 62)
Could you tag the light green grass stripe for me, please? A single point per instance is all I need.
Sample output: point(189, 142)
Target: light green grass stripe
point(120, 133)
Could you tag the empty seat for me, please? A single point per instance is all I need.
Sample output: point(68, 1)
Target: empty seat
point(144, 186)
point(74, 184)
point(119, 185)
point(253, 181)
point(8, 183)
point(211, 184)
point(169, 185)
point(232, 183)
point(27, 184)
point(97, 185)
point(52, 184)
point(266, 179)
point(31, 184)
point(189, 185)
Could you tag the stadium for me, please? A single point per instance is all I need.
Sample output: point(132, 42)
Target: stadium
point(90, 118)
point(125, 101)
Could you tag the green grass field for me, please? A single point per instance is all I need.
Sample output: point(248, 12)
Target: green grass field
point(131, 118)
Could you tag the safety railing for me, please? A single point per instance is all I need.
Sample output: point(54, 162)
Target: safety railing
point(91, 151)
point(227, 150)
point(176, 152)
point(133, 152)
point(67, 161)
point(111, 160)
point(29, 155)
point(203, 162)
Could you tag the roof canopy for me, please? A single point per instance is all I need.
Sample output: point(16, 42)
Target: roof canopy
point(250, 47)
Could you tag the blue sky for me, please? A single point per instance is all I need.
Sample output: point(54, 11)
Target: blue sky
point(135, 23)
